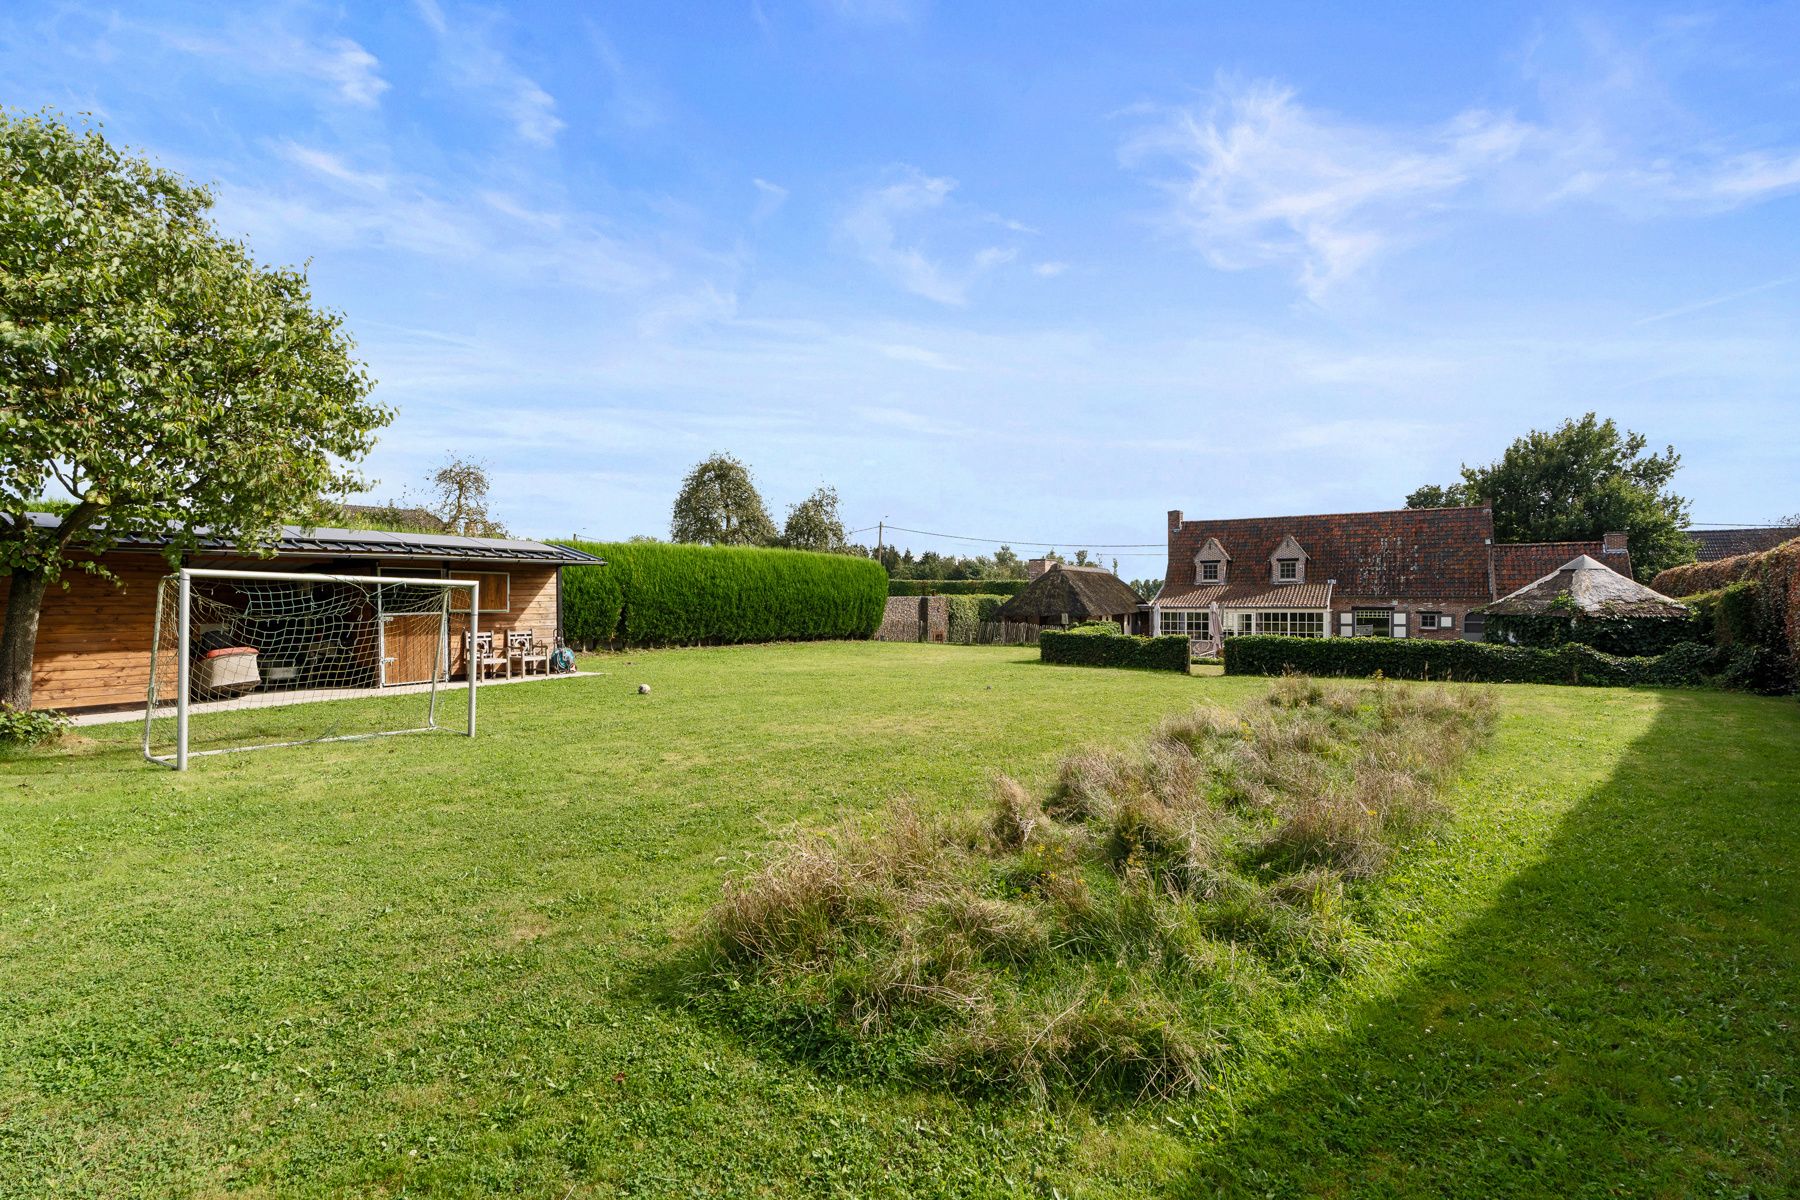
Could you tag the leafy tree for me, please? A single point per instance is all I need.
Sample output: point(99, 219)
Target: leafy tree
point(1575, 483)
point(1434, 496)
point(460, 499)
point(814, 524)
point(719, 505)
point(1146, 589)
point(151, 371)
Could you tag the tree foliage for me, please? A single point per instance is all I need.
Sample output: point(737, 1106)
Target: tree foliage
point(814, 524)
point(151, 371)
point(718, 505)
point(460, 499)
point(1577, 482)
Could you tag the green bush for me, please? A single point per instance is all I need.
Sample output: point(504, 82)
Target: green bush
point(964, 615)
point(956, 587)
point(1689, 664)
point(1631, 637)
point(21, 728)
point(656, 594)
point(1101, 627)
point(1113, 650)
point(1733, 615)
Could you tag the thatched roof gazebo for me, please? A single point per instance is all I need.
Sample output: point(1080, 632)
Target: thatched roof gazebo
point(1066, 595)
point(1586, 587)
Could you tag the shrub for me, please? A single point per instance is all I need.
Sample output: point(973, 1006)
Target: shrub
point(964, 615)
point(1769, 613)
point(1113, 649)
point(1686, 665)
point(1006, 588)
point(19, 727)
point(655, 594)
point(1624, 636)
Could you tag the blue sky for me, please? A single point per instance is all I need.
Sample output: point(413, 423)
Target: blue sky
point(1033, 271)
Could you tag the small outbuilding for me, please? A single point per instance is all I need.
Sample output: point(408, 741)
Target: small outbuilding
point(1586, 587)
point(1068, 595)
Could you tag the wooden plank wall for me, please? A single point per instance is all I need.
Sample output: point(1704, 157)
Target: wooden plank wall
point(93, 647)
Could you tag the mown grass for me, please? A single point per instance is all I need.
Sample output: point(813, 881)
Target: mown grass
point(429, 966)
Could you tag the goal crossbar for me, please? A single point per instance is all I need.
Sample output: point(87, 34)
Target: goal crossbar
point(184, 645)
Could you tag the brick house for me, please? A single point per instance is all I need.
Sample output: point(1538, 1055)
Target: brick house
point(1414, 572)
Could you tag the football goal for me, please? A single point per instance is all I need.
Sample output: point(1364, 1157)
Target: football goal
point(238, 657)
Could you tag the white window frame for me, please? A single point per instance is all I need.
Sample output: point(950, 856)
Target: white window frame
point(1287, 570)
point(1196, 623)
point(1218, 571)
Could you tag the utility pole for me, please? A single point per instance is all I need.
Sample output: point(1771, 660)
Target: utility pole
point(880, 533)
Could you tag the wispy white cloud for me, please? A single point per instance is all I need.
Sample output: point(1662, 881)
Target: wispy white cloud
point(1049, 270)
point(471, 50)
point(268, 46)
point(1256, 178)
point(769, 198)
point(888, 228)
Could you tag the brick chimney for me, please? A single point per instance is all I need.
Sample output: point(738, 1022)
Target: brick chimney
point(1613, 543)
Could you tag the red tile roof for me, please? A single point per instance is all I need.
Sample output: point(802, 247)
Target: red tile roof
point(1710, 545)
point(1436, 553)
point(1247, 595)
point(1519, 563)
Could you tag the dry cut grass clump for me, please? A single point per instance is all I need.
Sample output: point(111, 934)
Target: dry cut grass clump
point(1114, 937)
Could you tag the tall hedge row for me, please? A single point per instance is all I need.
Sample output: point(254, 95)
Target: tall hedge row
point(1100, 649)
point(956, 587)
point(1689, 664)
point(965, 615)
point(1775, 602)
point(655, 594)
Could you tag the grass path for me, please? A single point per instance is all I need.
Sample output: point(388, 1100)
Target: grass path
point(429, 966)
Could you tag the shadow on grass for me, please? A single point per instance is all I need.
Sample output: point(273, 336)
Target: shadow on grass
point(1623, 1020)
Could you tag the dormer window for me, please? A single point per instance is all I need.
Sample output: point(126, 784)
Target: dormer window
point(1288, 563)
point(1209, 562)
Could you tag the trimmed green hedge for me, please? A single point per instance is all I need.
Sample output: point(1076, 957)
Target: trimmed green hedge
point(964, 615)
point(1625, 636)
point(1689, 664)
point(1113, 650)
point(956, 587)
point(656, 594)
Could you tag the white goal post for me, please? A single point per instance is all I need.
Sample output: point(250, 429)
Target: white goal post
point(251, 650)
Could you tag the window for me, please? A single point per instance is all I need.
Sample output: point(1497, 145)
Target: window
point(1374, 622)
point(1475, 627)
point(1292, 624)
point(1196, 624)
point(1287, 569)
point(496, 591)
point(1210, 571)
point(1435, 620)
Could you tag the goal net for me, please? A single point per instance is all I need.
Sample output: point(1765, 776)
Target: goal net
point(241, 659)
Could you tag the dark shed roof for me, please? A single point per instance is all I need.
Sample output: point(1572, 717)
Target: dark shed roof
point(370, 543)
point(1081, 593)
point(1711, 545)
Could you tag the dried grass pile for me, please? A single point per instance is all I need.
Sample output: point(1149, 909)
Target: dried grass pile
point(1116, 936)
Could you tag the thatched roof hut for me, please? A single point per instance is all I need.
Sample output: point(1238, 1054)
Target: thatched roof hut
point(1066, 594)
point(1585, 587)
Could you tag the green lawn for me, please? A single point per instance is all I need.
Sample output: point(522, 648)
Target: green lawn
point(425, 965)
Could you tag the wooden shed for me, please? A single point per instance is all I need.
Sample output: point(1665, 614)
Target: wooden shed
point(94, 635)
point(1067, 595)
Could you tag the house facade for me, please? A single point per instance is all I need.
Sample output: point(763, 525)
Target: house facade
point(1399, 573)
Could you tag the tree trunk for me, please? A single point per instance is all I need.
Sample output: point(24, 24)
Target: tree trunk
point(18, 640)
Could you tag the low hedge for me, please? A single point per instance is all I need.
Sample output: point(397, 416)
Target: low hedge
point(956, 587)
point(1689, 664)
point(657, 594)
point(1099, 649)
point(1629, 637)
point(964, 616)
